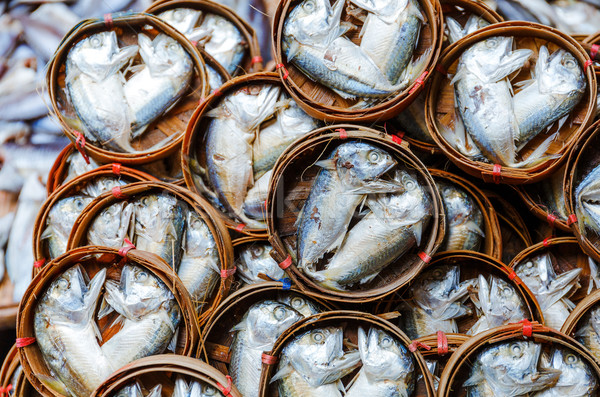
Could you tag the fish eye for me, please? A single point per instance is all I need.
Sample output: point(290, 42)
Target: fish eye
point(79, 203)
point(570, 63)
point(309, 6)
point(386, 341)
point(529, 265)
point(374, 156)
point(409, 184)
point(195, 224)
point(437, 273)
point(95, 42)
point(178, 15)
point(279, 313)
point(507, 291)
point(318, 337)
point(145, 201)
point(172, 46)
point(491, 43)
point(142, 276)
point(297, 302)
point(63, 283)
point(571, 358)
point(257, 250)
point(209, 391)
point(516, 349)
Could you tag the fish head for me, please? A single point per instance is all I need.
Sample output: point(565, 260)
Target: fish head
point(182, 389)
point(301, 304)
point(457, 202)
point(257, 253)
point(312, 22)
point(576, 375)
point(537, 273)
point(559, 73)
point(63, 214)
point(268, 319)
point(358, 162)
point(199, 241)
point(182, 19)
point(436, 285)
point(383, 357)
point(101, 185)
point(113, 221)
point(164, 55)
point(504, 300)
point(222, 31)
point(203, 390)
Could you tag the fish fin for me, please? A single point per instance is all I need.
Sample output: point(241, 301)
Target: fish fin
point(483, 294)
point(328, 164)
point(417, 230)
point(293, 49)
point(369, 278)
point(524, 83)
point(156, 391)
point(343, 94)
point(241, 326)
point(47, 233)
point(283, 372)
point(474, 227)
point(199, 34)
point(455, 31)
point(538, 154)
point(377, 187)
point(105, 309)
point(54, 384)
point(460, 74)
point(332, 285)
point(118, 321)
point(474, 379)
point(216, 113)
point(594, 276)
point(96, 330)
point(511, 63)
point(173, 343)
point(340, 385)
point(413, 70)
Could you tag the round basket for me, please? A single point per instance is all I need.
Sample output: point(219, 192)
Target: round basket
point(252, 61)
point(238, 245)
point(457, 369)
point(11, 368)
point(323, 103)
point(580, 316)
point(290, 186)
point(590, 44)
point(438, 349)
point(461, 10)
point(349, 321)
point(41, 251)
point(164, 370)
point(440, 106)
point(167, 129)
point(93, 259)
point(492, 241)
point(23, 387)
point(78, 235)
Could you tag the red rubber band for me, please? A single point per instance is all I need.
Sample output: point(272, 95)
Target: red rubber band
point(497, 173)
point(414, 346)
point(551, 219)
point(424, 257)
point(24, 342)
point(240, 227)
point(512, 276)
point(588, 63)
point(442, 343)
point(286, 263)
point(80, 146)
point(226, 390)
point(268, 359)
point(217, 92)
point(128, 247)
point(285, 72)
point(228, 272)
point(594, 51)
point(256, 59)
point(116, 191)
point(546, 241)
point(40, 263)
point(5, 390)
point(116, 169)
point(108, 20)
point(418, 82)
point(527, 328)
point(571, 219)
point(194, 43)
point(397, 138)
point(343, 133)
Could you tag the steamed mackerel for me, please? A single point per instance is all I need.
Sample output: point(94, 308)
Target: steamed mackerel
point(464, 219)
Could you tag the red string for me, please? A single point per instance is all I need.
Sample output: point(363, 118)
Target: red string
point(512, 276)
point(128, 247)
point(228, 272)
point(397, 138)
point(286, 263)
point(240, 227)
point(108, 21)
point(285, 72)
point(80, 146)
point(226, 390)
point(594, 50)
point(497, 173)
point(551, 219)
point(424, 257)
point(442, 343)
point(527, 328)
point(23, 342)
point(588, 63)
point(40, 263)
point(546, 241)
point(343, 133)
point(5, 390)
point(418, 82)
point(217, 92)
point(116, 191)
point(256, 59)
point(414, 346)
point(268, 359)
point(116, 169)
point(571, 219)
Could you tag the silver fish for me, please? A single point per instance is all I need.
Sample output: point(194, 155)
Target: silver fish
point(133, 390)
point(301, 304)
point(499, 304)
point(193, 389)
point(412, 121)
point(328, 210)
point(550, 290)
point(576, 17)
point(200, 266)
point(254, 204)
point(100, 185)
point(112, 226)
point(254, 259)
point(260, 327)
point(184, 20)
point(577, 378)
point(78, 166)
point(60, 222)
point(438, 299)
point(587, 200)
point(313, 363)
point(20, 96)
point(95, 88)
point(224, 42)
point(588, 332)
point(64, 317)
point(387, 367)
point(394, 225)
point(160, 83)
point(509, 369)
point(215, 80)
point(558, 86)
point(159, 224)
point(464, 219)
point(551, 191)
point(148, 311)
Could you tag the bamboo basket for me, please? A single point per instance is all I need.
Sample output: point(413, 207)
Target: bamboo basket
point(216, 336)
point(291, 183)
point(456, 371)
point(171, 125)
point(238, 245)
point(93, 259)
point(78, 235)
point(322, 103)
point(9, 372)
point(589, 44)
point(568, 256)
point(492, 242)
point(579, 315)
point(164, 369)
point(440, 102)
point(24, 388)
point(252, 61)
point(461, 10)
point(349, 321)
point(41, 251)
point(439, 348)
point(582, 160)
point(58, 172)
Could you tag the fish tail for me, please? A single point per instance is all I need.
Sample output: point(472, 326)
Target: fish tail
point(539, 154)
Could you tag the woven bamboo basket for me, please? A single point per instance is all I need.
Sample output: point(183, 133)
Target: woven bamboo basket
point(439, 348)
point(167, 129)
point(58, 172)
point(11, 368)
point(93, 259)
point(291, 183)
point(322, 103)
point(24, 388)
point(216, 336)
point(567, 255)
point(252, 61)
point(492, 242)
point(78, 235)
point(8, 308)
point(590, 44)
point(41, 251)
point(349, 321)
point(461, 10)
point(440, 106)
point(164, 370)
point(580, 316)
point(583, 159)
point(457, 369)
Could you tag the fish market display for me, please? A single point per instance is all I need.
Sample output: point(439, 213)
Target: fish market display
point(586, 202)
point(588, 333)
point(576, 376)
point(255, 259)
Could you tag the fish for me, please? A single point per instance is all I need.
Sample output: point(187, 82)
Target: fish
point(159, 225)
point(160, 83)
point(550, 290)
point(99, 185)
point(313, 41)
point(60, 221)
point(438, 299)
point(21, 92)
point(229, 166)
point(255, 259)
point(498, 304)
point(509, 369)
point(313, 363)
point(184, 20)
point(514, 11)
point(588, 331)
point(10, 31)
point(200, 268)
point(291, 123)
point(112, 226)
point(148, 312)
point(19, 254)
point(552, 195)
point(133, 390)
point(577, 378)
point(258, 330)
point(587, 200)
point(301, 304)
point(77, 166)
point(224, 42)
point(193, 389)
point(464, 218)
point(66, 333)
point(254, 203)
point(412, 121)
point(394, 225)
point(557, 87)
point(215, 80)
point(576, 17)
point(390, 34)
point(330, 205)
point(388, 368)
point(93, 79)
